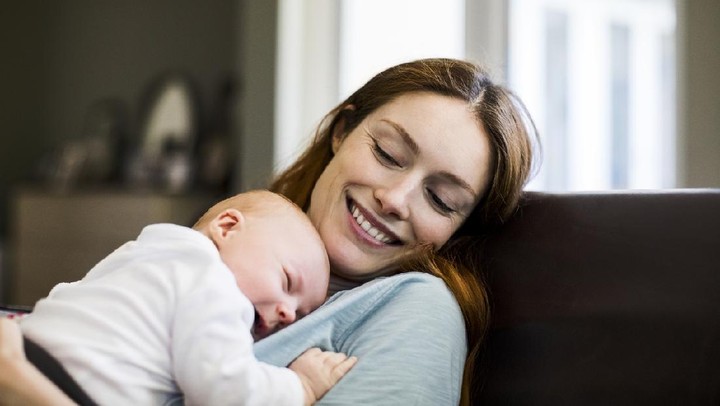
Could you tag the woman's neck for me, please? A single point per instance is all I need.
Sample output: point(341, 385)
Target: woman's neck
point(338, 283)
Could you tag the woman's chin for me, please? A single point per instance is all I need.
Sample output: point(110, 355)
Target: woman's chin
point(357, 263)
point(357, 270)
point(351, 274)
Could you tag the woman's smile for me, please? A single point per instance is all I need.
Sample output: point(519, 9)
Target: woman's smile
point(369, 229)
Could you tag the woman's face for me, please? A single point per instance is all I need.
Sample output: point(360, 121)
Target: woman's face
point(409, 174)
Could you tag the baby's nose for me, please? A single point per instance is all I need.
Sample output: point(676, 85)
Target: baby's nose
point(286, 314)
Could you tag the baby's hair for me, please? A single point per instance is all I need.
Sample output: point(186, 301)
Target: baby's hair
point(258, 202)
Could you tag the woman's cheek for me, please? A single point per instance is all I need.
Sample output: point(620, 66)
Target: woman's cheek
point(327, 190)
point(436, 231)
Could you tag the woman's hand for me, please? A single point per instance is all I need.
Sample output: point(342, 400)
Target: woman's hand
point(320, 370)
point(20, 382)
point(11, 344)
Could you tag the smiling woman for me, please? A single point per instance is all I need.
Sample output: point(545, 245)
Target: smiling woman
point(420, 155)
point(393, 170)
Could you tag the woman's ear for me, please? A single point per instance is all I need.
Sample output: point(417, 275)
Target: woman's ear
point(225, 224)
point(338, 135)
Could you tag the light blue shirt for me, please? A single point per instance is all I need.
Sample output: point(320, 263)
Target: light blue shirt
point(406, 330)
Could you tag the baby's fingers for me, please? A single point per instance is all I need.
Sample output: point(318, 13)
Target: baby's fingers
point(343, 367)
point(331, 358)
point(337, 364)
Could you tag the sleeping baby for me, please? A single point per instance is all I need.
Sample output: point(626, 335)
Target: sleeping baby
point(177, 311)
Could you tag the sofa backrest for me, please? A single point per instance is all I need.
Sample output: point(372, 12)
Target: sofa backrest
point(605, 299)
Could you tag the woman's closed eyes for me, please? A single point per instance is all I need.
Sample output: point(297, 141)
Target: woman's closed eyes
point(439, 203)
point(383, 156)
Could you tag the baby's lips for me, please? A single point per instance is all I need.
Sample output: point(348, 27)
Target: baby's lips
point(258, 325)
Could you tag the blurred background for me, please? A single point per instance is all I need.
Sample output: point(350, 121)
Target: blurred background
point(119, 114)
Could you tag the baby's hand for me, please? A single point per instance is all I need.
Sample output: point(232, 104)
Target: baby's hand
point(320, 370)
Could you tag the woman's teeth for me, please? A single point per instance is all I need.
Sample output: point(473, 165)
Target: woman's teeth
point(365, 225)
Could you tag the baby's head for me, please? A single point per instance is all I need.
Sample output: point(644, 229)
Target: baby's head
point(275, 254)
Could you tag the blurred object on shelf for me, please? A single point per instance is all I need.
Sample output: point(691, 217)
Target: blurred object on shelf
point(94, 157)
point(215, 151)
point(165, 155)
point(166, 150)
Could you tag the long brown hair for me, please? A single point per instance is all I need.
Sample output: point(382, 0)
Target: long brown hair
point(513, 138)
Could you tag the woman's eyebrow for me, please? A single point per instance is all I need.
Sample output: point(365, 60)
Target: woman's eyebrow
point(405, 136)
point(451, 177)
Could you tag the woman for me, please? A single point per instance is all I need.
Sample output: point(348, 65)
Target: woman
point(393, 174)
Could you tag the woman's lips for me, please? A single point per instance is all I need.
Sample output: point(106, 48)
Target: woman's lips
point(368, 228)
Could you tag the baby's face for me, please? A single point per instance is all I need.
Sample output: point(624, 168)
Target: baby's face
point(280, 264)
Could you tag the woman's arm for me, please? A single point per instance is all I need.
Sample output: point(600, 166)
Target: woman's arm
point(20, 382)
point(407, 332)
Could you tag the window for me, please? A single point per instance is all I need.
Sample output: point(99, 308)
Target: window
point(376, 34)
point(598, 77)
point(328, 48)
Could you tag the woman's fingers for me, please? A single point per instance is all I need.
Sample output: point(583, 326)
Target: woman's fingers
point(20, 382)
point(11, 344)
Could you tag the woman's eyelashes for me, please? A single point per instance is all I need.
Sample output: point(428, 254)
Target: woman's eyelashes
point(439, 203)
point(383, 156)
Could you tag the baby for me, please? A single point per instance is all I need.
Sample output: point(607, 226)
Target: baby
point(176, 311)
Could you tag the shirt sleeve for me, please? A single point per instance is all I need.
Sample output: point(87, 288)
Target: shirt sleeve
point(407, 332)
point(213, 359)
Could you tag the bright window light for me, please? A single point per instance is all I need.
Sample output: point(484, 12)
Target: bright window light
point(598, 76)
point(376, 34)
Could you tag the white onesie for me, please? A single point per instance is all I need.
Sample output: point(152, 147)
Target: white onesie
point(160, 315)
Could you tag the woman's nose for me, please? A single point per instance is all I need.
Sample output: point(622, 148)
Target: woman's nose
point(394, 197)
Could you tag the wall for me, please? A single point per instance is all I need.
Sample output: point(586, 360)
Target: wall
point(59, 57)
point(254, 112)
point(698, 93)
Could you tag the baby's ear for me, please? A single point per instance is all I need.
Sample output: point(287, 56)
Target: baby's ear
point(225, 224)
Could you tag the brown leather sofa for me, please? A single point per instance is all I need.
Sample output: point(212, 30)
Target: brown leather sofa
point(606, 298)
